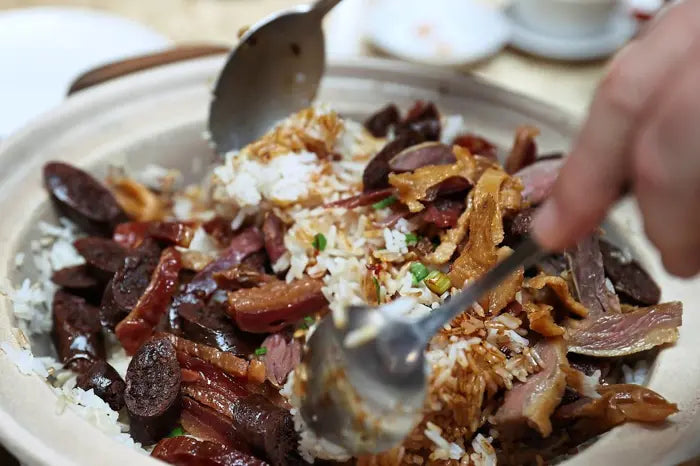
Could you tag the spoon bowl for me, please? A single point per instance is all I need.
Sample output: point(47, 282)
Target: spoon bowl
point(275, 70)
point(365, 396)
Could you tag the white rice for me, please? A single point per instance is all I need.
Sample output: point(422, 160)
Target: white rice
point(158, 177)
point(285, 178)
point(94, 410)
point(452, 126)
point(484, 453)
point(637, 374)
point(26, 362)
point(311, 447)
point(31, 304)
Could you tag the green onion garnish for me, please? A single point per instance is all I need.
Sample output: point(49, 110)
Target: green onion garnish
point(412, 238)
point(419, 272)
point(309, 320)
point(438, 282)
point(319, 242)
point(261, 351)
point(384, 203)
point(177, 432)
point(379, 290)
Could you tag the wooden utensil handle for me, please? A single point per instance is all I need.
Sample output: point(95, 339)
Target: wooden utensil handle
point(131, 65)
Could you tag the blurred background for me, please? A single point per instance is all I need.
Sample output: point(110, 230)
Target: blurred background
point(551, 49)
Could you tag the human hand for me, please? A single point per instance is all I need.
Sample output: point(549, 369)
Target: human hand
point(642, 132)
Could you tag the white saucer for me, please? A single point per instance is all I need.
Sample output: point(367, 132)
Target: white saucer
point(43, 49)
point(437, 32)
point(620, 30)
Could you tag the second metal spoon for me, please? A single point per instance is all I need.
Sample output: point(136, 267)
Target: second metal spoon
point(367, 397)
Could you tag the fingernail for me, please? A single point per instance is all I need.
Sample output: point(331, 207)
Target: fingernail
point(544, 225)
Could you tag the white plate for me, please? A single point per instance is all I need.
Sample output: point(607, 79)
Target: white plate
point(43, 49)
point(620, 30)
point(437, 32)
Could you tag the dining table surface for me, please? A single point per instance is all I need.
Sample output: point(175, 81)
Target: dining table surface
point(564, 84)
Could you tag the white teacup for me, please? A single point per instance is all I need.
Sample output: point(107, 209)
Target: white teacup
point(570, 18)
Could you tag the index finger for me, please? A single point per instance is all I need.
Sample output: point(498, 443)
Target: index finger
point(596, 171)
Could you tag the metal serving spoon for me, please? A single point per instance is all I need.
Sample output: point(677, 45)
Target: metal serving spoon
point(274, 71)
point(366, 395)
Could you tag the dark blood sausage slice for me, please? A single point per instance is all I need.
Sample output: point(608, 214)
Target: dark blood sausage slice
point(103, 256)
point(247, 242)
point(186, 451)
point(376, 174)
point(477, 145)
point(273, 234)
point(257, 262)
point(111, 313)
point(275, 305)
point(138, 326)
point(106, 383)
point(209, 324)
point(76, 277)
point(629, 279)
point(451, 185)
point(421, 155)
point(132, 234)
point(423, 118)
point(134, 275)
point(76, 331)
point(267, 428)
point(152, 394)
point(80, 197)
point(378, 123)
point(363, 199)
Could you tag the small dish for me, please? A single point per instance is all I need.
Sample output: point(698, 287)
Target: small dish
point(566, 18)
point(439, 32)
point(617, 31)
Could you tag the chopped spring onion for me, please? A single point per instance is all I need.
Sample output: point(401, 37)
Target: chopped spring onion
point(412, 238)
point(261, 351)
point(438, 282)
point(307, 322)
point(384, 203)
point(177, 432)
point(378, 289)
point(319, 242)
point(419, 272)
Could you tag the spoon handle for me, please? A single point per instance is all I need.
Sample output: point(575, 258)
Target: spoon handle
point(322, 7)
point(527, 253)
